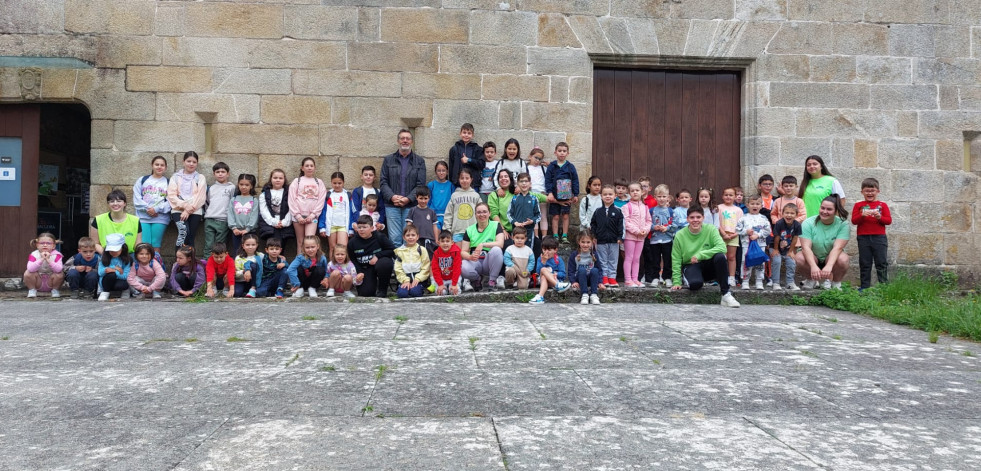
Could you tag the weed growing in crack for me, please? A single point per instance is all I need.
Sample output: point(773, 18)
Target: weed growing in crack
point(836, 337)
point(328, 368)
point(967, 353)
point(540, 334)
point(5, 337)
point(808, 353)
point(236, 339)
point(524, 297)
point(191, 340)
point(473, 343)
point(367, 409)
point(310, 318)
point(292, 360)
point(933, 337)
point(380, 372)
point(401, 319)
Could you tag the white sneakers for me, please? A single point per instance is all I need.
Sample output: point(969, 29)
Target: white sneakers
point(330, 293)
point(32, 293)
point(312, 292)
point(594, 299)
point(809, 284)
point(668, 284)
point(826, 284)
point(466, 286)
point(104, 296)
point(298, 293)
point(350, 294)
point(562, 286)
point(729, 301)
point(776, 287)
point(584, 299)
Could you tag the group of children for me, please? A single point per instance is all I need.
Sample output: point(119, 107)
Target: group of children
point(625, 220)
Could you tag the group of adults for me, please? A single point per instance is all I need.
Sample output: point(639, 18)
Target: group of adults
point(824, 235)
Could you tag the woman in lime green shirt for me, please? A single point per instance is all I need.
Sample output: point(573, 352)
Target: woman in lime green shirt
point(817, 184)
point(500, 200)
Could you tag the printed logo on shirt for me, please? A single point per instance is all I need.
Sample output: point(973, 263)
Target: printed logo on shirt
point(445, 265)
point(465, 211)
point(308, 192)
point(243, 208)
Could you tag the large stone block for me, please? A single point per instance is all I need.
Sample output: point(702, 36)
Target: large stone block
point(917, 185)
point(424, 25)
point(257, 81)
point(909, 154)
point(752, 38)
point(802, 38)
point(833, 68)
point(905, 97)
point(907, 124)
point(841, 11)
point(617, 33)
point(58, 83)
point(794, 150)
point(33, 18)
point(210, 52)
point(169, 19)
point(952, 41)
point(290, 165)
point(961, 187)
point(435, 143)
point(234, 20)
point(589, 32)
point(929, 217)
point(959, 249)
point(672, 35)
point(558, 89)
point(901, 216)
point(873, 69)
point(295, 110)
point(778, 122)
point(516, 87)
point(287, 54)
point(338, 83)
point(102, 133)
point(104, 92)
point(912, 40)
point(915, 248)
point(453, 113)
point(227, 108)
point(119, 169)
point(447, 86)
point(157, 135)
point(510, 115)
point(351, 168)
point(581, 89)
point(571, 7)
point(552, 61)
point(949, 97)
point(168, 79)
point(266, 139)
point(845, 123)
point(564, 117)
point(819, 95)
point(369, 24)
point(580, 146)
point(783, 68)
point(950, 155)
point(509, 28)
point(46, 45)
point(762, 150)
point(866, 153)
point(237, 163)
point(704, 9)
point(946, 71)
point(554, 31)
point(321, 22)
point(907, 11)
point(842, 153)
point(117, 52)
point(761, 10)
point(859, 38)
point(948, 124)
point(108, 16)
point(382, 111)
point(457, 59)
point(956, 217)
point(350, 140)
point(394, 57)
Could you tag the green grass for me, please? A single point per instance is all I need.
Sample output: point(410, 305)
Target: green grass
point(380, 372)
point(933, 337)
point(524, 297)
point(292, 360)
point(328, 368)
point(401, 319)
point(919, 301)
point(5, 337)
point(473, 343)
point(236, 339)
point(191, 340)
point(309, 318)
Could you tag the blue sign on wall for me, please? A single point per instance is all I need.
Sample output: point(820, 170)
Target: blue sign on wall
point(11, 176)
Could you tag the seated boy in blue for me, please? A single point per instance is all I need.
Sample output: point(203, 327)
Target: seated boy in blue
point(551, 270)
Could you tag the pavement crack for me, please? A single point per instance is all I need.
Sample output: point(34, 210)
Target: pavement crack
point(584, 382)
point(213, 432)
point(808, 458)
point(500, 446)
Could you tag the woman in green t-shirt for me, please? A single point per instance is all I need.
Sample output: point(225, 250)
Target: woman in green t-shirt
point(817, 184)
point(823, 239)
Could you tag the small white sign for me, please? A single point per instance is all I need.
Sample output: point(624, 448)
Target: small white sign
point(8, 173)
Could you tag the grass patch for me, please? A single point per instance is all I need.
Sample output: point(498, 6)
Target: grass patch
point(836, 337)
point(236, 339)
point(808, 353)
point(933, 337)
point(292, 360)
point(401, 319)
point(328, 368)
point(309, 318)
point(473, 343)
point(524, 297)
point(380, 372)
point(967, 353)
point(5, 337)
point(919, 301)
point(191, 340)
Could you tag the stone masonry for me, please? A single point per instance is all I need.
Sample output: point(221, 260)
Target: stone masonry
point(884, 88)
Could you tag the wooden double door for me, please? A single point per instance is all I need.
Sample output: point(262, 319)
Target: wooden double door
point(677, 127)
point(18, 223)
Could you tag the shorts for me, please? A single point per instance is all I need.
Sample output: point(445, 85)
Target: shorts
point(334, 229)
point(555, 209)
point(458, 237)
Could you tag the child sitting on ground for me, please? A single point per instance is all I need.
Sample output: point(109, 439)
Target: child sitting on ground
point(583, 269)
point(83, 276)
point(447, 265)
point(44, 267)
point(551, 271)
point(147, 276)
point(519, 260)
point(187, 274)
point(341, 273)
point(411, 264)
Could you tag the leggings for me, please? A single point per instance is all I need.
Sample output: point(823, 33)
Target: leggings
point(631, 259)
point(490, 265)
point(111, 282)
point(153, 233)
point(661, 252)
point(186, 229)
point(185, 281)
point(242, 287)
point(312, 280)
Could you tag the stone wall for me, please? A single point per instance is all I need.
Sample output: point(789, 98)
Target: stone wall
point(883, 88)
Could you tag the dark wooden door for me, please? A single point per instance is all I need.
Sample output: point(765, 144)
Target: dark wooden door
point(19, 222)
point(677, 127)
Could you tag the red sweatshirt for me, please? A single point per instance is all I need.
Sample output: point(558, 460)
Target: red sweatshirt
point(446, 265)
point(226, 270)
point(869, 225)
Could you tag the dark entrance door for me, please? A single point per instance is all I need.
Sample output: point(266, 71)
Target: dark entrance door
point(678, 127)
point(19, 124)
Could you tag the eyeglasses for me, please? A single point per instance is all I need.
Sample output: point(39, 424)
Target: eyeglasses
point(45, 243)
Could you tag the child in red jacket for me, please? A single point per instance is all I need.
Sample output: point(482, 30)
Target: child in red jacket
point(220, 271)
point(446, 265)
point(871, 216)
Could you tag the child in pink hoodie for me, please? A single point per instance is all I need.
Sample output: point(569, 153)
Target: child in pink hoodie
point(146, 277)
point(44, 267)
point(307, 194)
point(636, 224)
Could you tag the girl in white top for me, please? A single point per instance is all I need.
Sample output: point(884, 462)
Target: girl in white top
point(274, 215)
point(150, 201)
point(536, 170)
point(336, 216)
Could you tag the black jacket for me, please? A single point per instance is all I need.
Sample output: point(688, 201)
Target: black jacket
point(361, 250)
point(474, 153)
point(391, 177)
point(607, 225)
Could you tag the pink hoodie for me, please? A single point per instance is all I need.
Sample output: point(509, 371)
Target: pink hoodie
point(306, 197)
point(151, 275)
point(636, 218)
point(35, 262)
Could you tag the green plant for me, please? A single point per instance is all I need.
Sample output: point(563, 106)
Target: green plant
point(367, 409)
point(310, 318)
point(295, 357)
point(524, 297)
point(933, 337)
point(539, 333)
point(473, 343)
point(808, 353)
point(380, 372)
point(191, 340)
point(623, 338)
point(235, 339)
point(656, 361)
point(967, 353)
point(401, 319)
point(5, 337)
point(328, 368)
point(836, 336)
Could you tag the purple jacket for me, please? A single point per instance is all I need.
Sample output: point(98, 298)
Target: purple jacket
point(198, 278)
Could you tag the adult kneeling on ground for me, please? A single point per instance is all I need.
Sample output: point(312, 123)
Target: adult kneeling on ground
point(373, 257)
point(483, 250)
point(823, 239)
point(699, 253)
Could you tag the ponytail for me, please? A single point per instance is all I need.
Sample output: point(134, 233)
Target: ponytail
point(839, 208)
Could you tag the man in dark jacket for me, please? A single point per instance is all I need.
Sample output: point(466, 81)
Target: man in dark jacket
point(465, 154)
point(401, 173)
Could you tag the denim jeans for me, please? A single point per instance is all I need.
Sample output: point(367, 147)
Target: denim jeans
point(791, 266)
point(395, 219)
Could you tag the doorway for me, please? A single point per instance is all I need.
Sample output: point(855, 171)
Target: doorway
point(677, 127)
point(50, 148)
